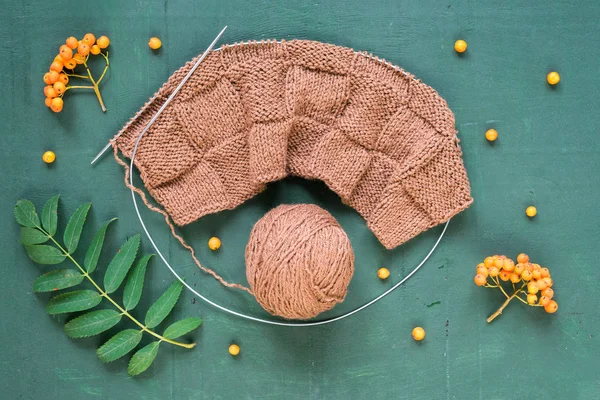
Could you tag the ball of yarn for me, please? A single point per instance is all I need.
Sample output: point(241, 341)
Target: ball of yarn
point(299, 261)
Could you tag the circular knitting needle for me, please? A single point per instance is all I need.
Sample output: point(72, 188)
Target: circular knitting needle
point(166, 103)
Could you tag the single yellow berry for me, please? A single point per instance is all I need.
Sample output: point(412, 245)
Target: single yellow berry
point(523, 258)
point(531, 211)
point(57, 104)
point(71, 42)
point(154, 43)
point(526, 275)
point(418, 333)
point(515, 278)
point(103, 42)
point(493, 271)
point(234, 349)
point(480, 280)
point(65, 52)
point(49, 157)
point(383, 273)
point(83, 49)
point(89, 38)
point(553, 78)
point(532, 288)
point(491, 135)
point(531, 298)
point(95, 50)
point(460, 46)
point(551, 307)
point(214, 243)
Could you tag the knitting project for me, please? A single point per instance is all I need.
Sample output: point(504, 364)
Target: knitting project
point(256, 113)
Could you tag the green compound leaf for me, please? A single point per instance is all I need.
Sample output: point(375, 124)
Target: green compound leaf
point(182, 327)
point(74, 227)
point(93, 252)
point(120, 264)
point(119, 345)
point(56, 280)
point(135, 283)
point(50, 215)
point(163, 306)
point(142, 359)
point(44, 254)
point(25, 214)
point(32, 236)
point(79, 300)
point(92, 323)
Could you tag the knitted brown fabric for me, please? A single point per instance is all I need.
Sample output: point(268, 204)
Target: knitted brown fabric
point(299, 261)
point(255, 113)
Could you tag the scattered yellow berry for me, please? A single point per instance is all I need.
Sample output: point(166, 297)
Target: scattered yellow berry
point(460, 46)
point(89, 38)
point(531, 211)
point(553, 78)
point(491, 135)
point(103, 42)
point(71, 42)
point(383, 273)
point(418, 333)
point(154, 43)
point(95, 50)
point(480, 280)
point(531, 298)
point(214, 243)
point(49, 157)
point(234, 349)
point(551, 307)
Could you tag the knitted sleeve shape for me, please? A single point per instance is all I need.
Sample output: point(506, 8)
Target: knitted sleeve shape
point(255, 113)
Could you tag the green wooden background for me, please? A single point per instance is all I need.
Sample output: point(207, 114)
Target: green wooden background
point(547, 155)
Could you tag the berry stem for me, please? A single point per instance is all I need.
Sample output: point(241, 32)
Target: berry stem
point(78, 87)
point(77, 76)
point(96, 90)
point(508, 300)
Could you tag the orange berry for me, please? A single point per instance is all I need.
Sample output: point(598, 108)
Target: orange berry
point(545, 272)
point(505, 275)
point(523, 258)
point(418, 333)
point(79, 59)
point(56, 66)
point(519, 268)
point(480, 280)
point(482, 270)
point(83, 49)
point(532, 288)
point(71, 64)
point(57, 104)
point(493, 271)
point(551, 307)
point(531, 211)
point(63, 78)
point(529, 266)
point(49, 91)
point(460, 46)
point(154, 43)
point(536, 274)
point(542, 284)
point(544, 301)
point(509, 265)
point(71, 42)
point(95, 50)
point(553, 78)
point(103, 42)
point(531, 298)
point(47, 79)
point(48, 101)
point(65, 52)
point(526, 275)
point(548, 292)
point(52, 76)
point(548, 281)
point(515, 278)
point(491, 135)
point(89, 38)
point(488, 262)
point(58, 58)
point(46, 88)
point(59, 87)
point(499, 261)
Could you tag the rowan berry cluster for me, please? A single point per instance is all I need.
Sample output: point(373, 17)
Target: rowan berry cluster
point(70, 55)
point(527, 279)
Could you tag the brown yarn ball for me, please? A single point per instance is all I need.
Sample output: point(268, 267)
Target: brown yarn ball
point(299, 261)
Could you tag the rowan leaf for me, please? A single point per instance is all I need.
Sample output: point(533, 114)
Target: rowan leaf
point(25, 214)
point(32, 236)
point(93, 252)
point(79, 300)
point(182, 327)
point(50, 215)
point(142, 359)
point(163, 306)
point(56, 280)
point(135, 283)
point(74, 227)
point(120, 264)
point(119, 345)
point(44, 254)
point(92, 323)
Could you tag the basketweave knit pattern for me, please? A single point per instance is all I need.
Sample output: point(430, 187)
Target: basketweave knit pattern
point(255, 113)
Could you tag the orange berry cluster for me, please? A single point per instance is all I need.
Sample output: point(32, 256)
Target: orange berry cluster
point(528, 279)
point(71, 54)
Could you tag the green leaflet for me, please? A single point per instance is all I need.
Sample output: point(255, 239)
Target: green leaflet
point(92, 323)
point(93, 253)
point(25, 214)
point(120, 264)
point(142, 359)
point(32, 236)
point(119, 345)
point(163, 306)
point(44, 254)
point(182, 327)
point(56, 280)
point(79, 300)
point(74, 227)
point(50, 215)
point(135, 283)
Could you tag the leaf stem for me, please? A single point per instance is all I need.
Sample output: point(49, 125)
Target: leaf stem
point(114, 303)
